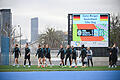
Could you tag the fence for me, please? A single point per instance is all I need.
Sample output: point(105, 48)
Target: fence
point(4, 55)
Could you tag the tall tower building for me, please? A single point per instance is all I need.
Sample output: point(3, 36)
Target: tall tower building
point(5, 23)
point(5, 30)
point(34, 29)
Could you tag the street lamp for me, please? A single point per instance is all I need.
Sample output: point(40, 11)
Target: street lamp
point(20, 36)
point(13, 30)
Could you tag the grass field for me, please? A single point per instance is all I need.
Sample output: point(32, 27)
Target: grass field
point(5, 68)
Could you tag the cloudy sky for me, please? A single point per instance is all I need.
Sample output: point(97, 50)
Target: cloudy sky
point(53, 13)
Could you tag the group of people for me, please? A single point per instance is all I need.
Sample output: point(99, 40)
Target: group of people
point(17, 53)
point(70, 52)
point(43, 53)
point(113, 55)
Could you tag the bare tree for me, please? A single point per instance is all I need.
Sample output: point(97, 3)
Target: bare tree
point(115, 29)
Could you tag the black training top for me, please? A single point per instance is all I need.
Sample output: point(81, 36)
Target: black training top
point(48, 50)
point(44, 51)
point(74, 51)
point(62, 51)
point(69, 51)
point(39, 51)
point(27, 50)
point(114, 51)
point(16, 50)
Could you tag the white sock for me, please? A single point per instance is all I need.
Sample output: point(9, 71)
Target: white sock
point(45, 62)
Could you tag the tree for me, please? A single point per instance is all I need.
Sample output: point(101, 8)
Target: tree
point(115, 30)
point(51, 37)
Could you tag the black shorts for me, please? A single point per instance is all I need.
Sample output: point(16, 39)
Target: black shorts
point(110, 58)
point(62, 57)
point(48, 56)
point(40, 56)
point(68, 56)
point(74, 57)
point(16, 55)
point(44, 55)
point(27, 57)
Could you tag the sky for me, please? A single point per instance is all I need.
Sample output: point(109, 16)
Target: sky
point(53, 13)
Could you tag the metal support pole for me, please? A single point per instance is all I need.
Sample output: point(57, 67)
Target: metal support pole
point(20, 36)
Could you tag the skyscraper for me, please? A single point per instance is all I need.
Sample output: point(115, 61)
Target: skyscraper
point(5, 30)
point(34, 29)
point(5, 23)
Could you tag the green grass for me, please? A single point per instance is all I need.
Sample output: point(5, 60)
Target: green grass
point(5, 68)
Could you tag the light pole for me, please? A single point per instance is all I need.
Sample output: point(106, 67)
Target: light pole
point(20, 36)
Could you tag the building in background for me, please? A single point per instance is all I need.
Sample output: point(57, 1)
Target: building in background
point(24, 41)
point(5, 23)
point(5, 30)
point(34, 29)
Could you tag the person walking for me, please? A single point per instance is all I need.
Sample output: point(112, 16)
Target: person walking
point(116, 56)
point(74, 56)
point(110, 56)
point(27, 55)
point(44, 56)
point(48, 55)
point(114, 52)
point(40, 55)
point(89, 56)
point(16, 52)
point(62, 54)
point(83, 55)
point(68, 55)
